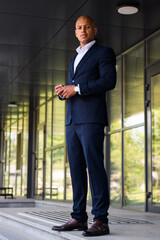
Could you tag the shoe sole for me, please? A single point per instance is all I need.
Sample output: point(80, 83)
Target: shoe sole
point(66, 230)
point(90, 234)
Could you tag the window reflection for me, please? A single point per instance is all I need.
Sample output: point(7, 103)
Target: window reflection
point(155, 81)
point(49, 123)
point(42, 114)
point(49, 91)
point(115, 101)
point(115, 174)
point(18, 184)
point(12, 175)
point(25, 155)
point(153, 49)
point(48, 175)
point(69, 193)
point(134, 186)
point(13, 138)
point(134, 87)
point(58, 121)
point(58, 172)
point(6, 179)
point(39, 162)
point(42, 94)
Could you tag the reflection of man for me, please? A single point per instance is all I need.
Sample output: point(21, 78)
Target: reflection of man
point(91, 74)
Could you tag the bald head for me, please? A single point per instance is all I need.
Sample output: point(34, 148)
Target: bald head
point(85, 30)
point(90, 20)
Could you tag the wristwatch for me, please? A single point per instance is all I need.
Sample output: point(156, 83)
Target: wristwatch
point(76, 88)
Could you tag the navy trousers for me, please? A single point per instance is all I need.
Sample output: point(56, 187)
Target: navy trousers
point(85, 151)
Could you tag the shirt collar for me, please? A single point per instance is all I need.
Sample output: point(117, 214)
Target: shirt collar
point(85, 48)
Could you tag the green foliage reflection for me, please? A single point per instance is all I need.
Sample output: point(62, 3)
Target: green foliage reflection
point(115, 175)
point(134, 166)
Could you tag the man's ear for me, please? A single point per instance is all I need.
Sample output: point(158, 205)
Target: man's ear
point(75, 33)
point(95, 30)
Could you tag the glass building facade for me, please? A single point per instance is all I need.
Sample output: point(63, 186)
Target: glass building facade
point(132, 155)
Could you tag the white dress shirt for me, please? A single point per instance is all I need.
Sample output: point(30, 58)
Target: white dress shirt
point(81, 52)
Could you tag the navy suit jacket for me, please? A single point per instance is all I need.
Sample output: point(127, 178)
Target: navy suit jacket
point(95, 75)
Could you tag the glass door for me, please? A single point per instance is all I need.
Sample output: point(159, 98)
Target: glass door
point(40, 164)
point(153, 138)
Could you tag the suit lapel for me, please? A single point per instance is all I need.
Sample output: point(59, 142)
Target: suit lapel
point(84, 59)
point(72, 66)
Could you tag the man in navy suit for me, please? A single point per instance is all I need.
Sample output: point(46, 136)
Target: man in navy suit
point(91, 73)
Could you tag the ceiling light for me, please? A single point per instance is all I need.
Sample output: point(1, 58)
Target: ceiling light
point(12, 104)
point(128, 7)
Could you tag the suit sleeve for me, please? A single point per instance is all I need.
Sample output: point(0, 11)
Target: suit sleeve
point(107, 75)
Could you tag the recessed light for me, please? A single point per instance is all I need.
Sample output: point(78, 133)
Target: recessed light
point(128, 7)
point(12, 104)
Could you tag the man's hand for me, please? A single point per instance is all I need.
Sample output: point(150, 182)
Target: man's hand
point(65, 91)
point(59, 89)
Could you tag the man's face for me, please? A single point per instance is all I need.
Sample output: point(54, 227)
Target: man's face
point(85, 30)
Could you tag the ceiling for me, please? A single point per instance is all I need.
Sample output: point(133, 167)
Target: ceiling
point(37, 40)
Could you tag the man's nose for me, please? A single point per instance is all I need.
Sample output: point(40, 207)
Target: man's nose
point(83, 29)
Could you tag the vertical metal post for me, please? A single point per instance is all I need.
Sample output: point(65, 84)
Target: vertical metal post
point(31, 162)
point(122, 126)
point(1, 155)
point(145, 125)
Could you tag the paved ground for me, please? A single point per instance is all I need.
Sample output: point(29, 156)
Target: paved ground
point(24, 223)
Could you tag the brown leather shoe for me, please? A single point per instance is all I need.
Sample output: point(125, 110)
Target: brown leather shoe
point(72, 224)
point(98, 228)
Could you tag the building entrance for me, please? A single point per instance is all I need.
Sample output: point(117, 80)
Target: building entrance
point(153, 138)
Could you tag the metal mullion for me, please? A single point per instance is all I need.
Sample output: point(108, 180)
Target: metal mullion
point(122, 131)
point(51, 149)
point(52, 129)
point(145, 123)
point(9, 153)
point(22, 154)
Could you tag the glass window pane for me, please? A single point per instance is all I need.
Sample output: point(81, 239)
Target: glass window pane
point(16, 153)
point(20, 125)
point(115, 101)
point(59, 77)
point(134, 185)
point(49, 123)
point(13, 140)
point(20, 111)
point(18, 185)
point(24, 176)
point(134, 87)
point(48, 174)
point(115, 168)
point(42, 114)
point(14, 115)
point(42, 94)
point(12, 176)
point(49, 91)
point(58, 173)
point(26, 109)
point(155, 86)
point(153, 49)
point(39, 163)
point(25, 139)
point(6, 179)
point(58, 121)
point(69, 193)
